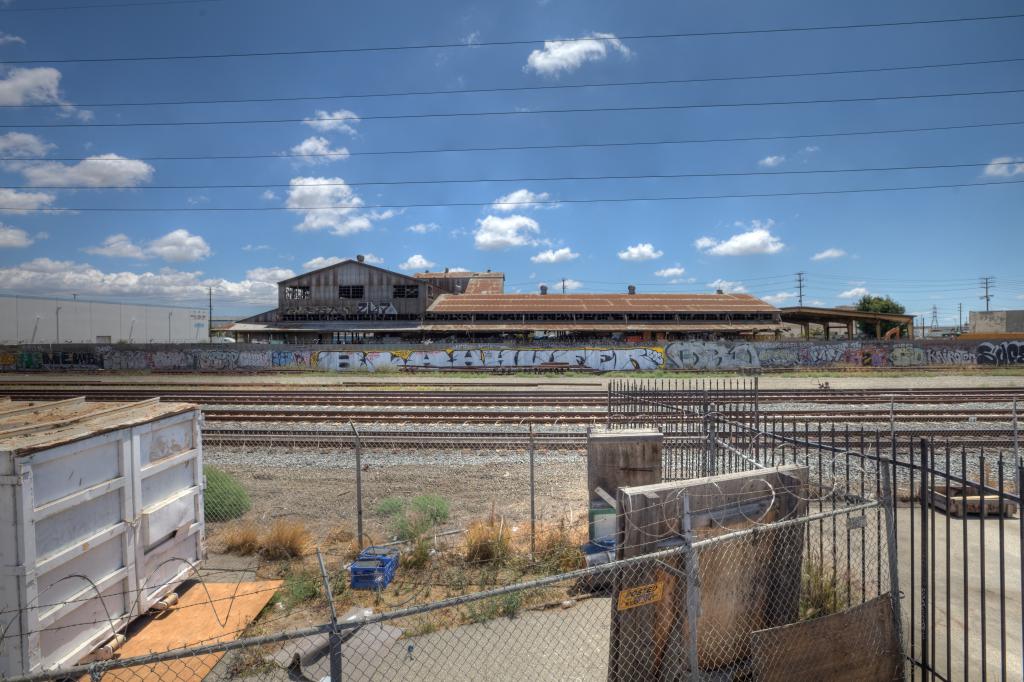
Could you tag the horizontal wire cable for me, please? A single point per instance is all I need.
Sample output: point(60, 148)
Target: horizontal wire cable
point(650, 176)
point(595, 200)
point(516, 112)
point(580, 145)
point(505, 43)
point(523, 88)
point(106, 5)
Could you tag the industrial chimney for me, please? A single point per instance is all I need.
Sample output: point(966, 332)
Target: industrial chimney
point(631, 289)
point(361, 258)
point(543, 289)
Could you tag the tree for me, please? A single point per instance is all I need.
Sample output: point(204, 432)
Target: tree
point(878, 304)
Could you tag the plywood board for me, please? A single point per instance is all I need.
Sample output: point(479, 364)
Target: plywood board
point(198, 618)
point(861, 647)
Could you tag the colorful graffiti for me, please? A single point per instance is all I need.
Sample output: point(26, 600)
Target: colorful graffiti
point(685, 355)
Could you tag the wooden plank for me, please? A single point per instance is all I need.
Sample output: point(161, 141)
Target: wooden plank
point(861, 641)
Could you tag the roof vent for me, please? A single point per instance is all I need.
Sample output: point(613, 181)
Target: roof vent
point(719, 291)
point(543, 289)
point(631, 289)
point(361, 258)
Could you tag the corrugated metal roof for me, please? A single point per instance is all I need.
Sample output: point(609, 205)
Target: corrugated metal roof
point(457, 274)
point(600, 303)
point(485, 285)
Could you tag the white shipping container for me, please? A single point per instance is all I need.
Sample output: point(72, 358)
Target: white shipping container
point(101, 515)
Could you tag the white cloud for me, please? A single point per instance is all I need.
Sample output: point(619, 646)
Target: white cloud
point(177, 246)
point(494, 232)
point(316, 150)
point(522, 199)
point(675, 271)
point(104, 170)
point(811, 148)
point(771, 161)
point(828, 253)
point(13, 201)
point(118, 246)
point(642, 251)
point(1005, 167)
point(855, 292)
point(555, 255)
point(47, 276)
point(781, 297)
point(758, 240)
point(23, 144)
point(269, 275)
point(422, 228)
point(30, 86)
point(255, 247)
point(268, 195)
point(8, 39)
point(559, 56)
point(14, 237)
point(416, 263)
point(324, 261)
point(340, 120)
point(728, 286)
point(330, 204)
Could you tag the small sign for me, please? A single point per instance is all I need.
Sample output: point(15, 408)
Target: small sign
point(641, 595)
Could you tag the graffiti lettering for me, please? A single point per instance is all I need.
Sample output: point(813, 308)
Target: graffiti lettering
point(1001, 353)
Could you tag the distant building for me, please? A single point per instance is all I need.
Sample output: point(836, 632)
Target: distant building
point(352, 301)
point(35, 319)
point(997, 322)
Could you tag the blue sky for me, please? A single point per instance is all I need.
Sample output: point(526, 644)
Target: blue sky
point(925, 247)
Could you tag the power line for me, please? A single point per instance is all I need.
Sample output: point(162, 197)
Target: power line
point(988, 283)
point(505, 43)
point(557, 178)
point(601, 200)
point(517, 112)
point(524, 88)
point(133, 5)
point(579, 145)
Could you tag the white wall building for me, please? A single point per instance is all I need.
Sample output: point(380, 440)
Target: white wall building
point(33, 319)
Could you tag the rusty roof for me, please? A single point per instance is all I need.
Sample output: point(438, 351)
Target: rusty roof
point(605, 327)
point(485, 285)
point(600, 303)
point(457, 274)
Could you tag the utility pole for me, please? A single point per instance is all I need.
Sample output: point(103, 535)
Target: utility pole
point(960, 317)
point(209, 318)
point(169, 326)
point(987, 283)
point(563, 285)
point(800, 288)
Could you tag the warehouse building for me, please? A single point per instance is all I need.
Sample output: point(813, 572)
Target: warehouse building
point(34, 320)
point(353, 301)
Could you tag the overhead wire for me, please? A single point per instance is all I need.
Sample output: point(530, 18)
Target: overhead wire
point(575, 145)
point(589, 200)
point(517, 88)
point(514, 112)
point(531, 41)
point(561, 178)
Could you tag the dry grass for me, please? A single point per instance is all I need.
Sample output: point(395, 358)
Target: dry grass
point(241, 538)
point(558, 547)
point(286, 539)
point(488, 542)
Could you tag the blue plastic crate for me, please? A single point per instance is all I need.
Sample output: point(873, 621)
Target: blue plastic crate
point(374, 568)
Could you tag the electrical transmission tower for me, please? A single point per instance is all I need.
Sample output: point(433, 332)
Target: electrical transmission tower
point(935, 317)
point(800, 288)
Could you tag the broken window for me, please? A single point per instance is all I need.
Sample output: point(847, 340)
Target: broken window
point(351, 291)
point(406, 291)
point(296, 293)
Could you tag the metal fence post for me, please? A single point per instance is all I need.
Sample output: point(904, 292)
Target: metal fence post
point(359, 486)
point(533, 500)
point(925, 450)
point(692, 591)
point(889, 505)
point(334, 636)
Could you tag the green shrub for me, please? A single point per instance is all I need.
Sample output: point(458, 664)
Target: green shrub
point(224, 498)
point(408, 523)
point(433, 507)
point(390, 506)
point(301, 586)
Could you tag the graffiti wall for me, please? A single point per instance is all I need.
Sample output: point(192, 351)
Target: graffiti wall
point(685, 355)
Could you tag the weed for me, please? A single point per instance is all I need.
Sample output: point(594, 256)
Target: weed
point(418, 556)
point(286, 539)
point(820, 592)
point(390, 506)
point(241, 538)
point(488, 542)
point(432, 507)
point(420, 627)
point(224, 498)
point(300, 586)
point(558, 549)
point(507, 605)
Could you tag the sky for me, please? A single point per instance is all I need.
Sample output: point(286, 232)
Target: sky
point(701, 161)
